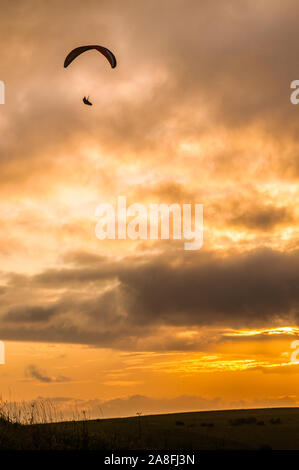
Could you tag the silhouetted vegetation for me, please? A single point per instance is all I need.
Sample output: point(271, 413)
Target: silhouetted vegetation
point(239, 421)
point(265, 447)
point(36, 428)
point(275, 421)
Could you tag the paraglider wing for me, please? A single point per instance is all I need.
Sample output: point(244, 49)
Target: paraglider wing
point(79, 50)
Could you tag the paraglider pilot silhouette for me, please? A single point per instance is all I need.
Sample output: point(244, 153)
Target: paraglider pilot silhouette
point(86, 101)
point(79, 50)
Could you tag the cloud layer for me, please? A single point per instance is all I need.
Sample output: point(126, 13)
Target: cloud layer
point(197, 111)
point(97, 301)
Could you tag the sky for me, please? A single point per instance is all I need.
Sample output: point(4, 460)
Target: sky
point(197, 111)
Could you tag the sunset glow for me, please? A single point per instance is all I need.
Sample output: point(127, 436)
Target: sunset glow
point(197, 118)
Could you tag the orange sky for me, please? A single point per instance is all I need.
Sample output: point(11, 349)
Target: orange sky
point(197, 111)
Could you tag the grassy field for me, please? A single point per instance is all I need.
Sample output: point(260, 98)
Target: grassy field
point(276, 428)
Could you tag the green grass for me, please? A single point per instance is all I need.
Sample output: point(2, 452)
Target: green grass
point(276, 428)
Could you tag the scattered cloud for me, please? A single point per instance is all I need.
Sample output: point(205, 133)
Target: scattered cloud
point(34, 372)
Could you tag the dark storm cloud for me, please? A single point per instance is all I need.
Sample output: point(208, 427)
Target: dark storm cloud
point(29, 314)
point(242, 290)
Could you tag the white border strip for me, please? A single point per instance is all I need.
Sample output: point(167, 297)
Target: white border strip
point(2, 92)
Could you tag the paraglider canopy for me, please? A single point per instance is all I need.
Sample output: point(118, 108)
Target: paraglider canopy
point(79, 50)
